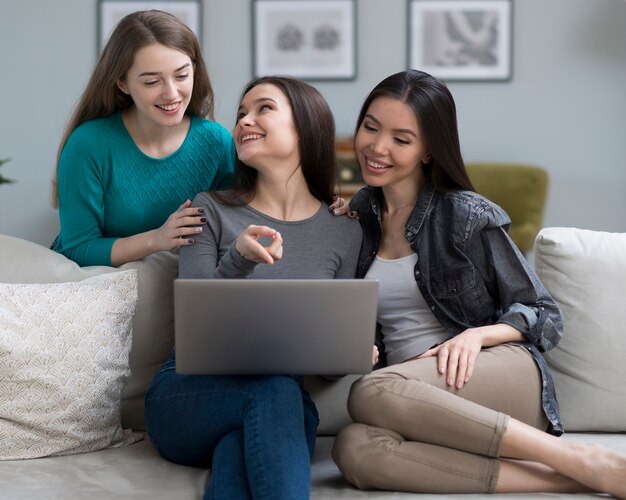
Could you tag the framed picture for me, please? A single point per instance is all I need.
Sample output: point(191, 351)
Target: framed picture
point(461, 39)
point(308, 39)
point(110, 12)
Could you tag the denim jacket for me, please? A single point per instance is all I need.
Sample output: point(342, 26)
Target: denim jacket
point(469, 272)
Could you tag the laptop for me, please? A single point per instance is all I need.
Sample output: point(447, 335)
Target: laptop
point(274, 326)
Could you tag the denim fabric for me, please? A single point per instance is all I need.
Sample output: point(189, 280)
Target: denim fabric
point(256, 432)
point(470, 272)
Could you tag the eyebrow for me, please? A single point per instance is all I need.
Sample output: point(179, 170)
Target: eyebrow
point(396, 130)
point(256, 101)
point(155, 73)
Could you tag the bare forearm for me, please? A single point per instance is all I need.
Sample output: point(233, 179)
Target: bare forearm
point(132, 248)
point(178, 230)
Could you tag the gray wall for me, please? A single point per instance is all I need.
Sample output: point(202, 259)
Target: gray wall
point(565, 107)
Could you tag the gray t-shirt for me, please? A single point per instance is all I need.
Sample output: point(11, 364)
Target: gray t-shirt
point(321, 247)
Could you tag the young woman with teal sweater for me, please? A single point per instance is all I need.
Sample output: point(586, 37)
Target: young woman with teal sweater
point(138, 147)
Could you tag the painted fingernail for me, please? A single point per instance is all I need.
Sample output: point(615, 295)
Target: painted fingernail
point(190, 241)
point(203, 219)
point(201, 210)
point(198, 229)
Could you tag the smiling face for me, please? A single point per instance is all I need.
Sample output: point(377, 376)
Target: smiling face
point(160, 82)
point(389, 144)
point(265, 134)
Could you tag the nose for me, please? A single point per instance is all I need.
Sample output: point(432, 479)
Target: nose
point(379, 145)
point(245, 120)
point(169, 89)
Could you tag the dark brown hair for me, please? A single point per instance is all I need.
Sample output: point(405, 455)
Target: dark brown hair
point(102, 97)
point(435, 111)
point(315, 127)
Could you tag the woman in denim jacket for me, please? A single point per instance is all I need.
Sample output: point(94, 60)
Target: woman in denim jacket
point(466, 403)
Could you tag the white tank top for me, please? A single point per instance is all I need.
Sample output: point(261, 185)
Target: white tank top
point(408, 326)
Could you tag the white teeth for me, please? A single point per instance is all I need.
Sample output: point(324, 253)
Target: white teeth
point(374, 164)
point(168, 107)
point(250, 137)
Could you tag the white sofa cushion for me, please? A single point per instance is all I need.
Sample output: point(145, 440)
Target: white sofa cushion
point(585, 271)
point(153, 331)
point(64, 350)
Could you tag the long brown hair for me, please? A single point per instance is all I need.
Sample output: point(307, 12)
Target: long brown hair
point(102, 97)
point(315, 127)
point(435, 111)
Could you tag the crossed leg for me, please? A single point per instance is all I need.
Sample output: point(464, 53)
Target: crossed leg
point(414, 433)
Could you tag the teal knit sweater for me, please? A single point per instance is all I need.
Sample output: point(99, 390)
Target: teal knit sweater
point(109, 189)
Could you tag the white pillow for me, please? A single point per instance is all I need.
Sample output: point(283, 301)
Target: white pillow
point(64, 351)
point(23, 261)
point(585, 271)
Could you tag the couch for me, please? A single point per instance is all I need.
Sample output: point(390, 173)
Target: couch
point(584, 270)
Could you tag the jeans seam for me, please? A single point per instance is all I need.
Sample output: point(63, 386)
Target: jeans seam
point(259, 470)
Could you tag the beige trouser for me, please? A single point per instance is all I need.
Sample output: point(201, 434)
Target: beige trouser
point(415, 433)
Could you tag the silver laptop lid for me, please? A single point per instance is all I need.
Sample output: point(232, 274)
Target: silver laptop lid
point(272, 326)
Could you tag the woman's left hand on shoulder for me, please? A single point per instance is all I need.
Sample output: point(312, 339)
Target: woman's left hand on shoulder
point(340, 207)
point(179, 228)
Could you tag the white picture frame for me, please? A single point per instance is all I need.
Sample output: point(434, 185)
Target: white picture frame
point(110, 12)
point(308, 39)
point(461, 39)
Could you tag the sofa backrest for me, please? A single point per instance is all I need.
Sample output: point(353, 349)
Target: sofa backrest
point(585, 271)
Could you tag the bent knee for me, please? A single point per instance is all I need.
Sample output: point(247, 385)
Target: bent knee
point(277, 391)
point(358, 450)
point(348, 452)
point(366, 395)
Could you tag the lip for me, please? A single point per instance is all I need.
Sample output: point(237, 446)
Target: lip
point(376, 166)
point(170, 108)
point(248, 136)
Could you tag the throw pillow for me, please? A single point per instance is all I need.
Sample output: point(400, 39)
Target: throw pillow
point(23, 261)
point(585, 272)
point(64, 350)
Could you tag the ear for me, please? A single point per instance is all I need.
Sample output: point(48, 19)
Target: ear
point(122, 86)
point(427, 159)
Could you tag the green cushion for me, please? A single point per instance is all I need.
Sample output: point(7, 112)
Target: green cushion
point(520, 190)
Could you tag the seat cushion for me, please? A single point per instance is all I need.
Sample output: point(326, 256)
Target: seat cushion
point(133, 472)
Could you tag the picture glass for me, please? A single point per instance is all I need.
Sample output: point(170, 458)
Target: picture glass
point(304, 39)
point(112, 11)
point(462, 39)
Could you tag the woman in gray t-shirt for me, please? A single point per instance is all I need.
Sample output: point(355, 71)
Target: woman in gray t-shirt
point(258, 432)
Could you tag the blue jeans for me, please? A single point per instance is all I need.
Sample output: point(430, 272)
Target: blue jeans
point(256, 432)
